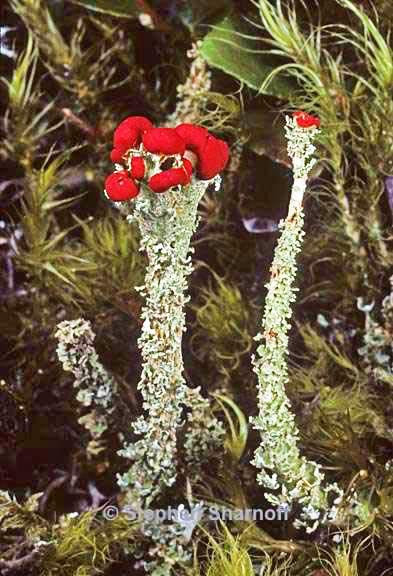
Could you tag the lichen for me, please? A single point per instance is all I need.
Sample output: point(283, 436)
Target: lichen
point(97, 389)
point(283, 469)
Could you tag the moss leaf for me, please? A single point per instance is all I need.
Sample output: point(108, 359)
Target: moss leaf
point(120, 8)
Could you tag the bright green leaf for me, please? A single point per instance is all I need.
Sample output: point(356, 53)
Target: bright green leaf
point(226, 48)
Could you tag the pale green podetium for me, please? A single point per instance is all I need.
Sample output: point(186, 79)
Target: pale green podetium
point(283, 470)
point(167, 222)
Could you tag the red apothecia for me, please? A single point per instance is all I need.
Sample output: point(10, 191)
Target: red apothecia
point(137, 134)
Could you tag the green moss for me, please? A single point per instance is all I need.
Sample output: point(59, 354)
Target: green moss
point(85, 546)
point(222, 326)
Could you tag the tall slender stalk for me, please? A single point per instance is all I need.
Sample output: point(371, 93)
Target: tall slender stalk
point(167, 223)
point(283, 469)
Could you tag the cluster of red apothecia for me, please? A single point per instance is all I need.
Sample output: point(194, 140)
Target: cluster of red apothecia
point(304, 120)
point(211, 156)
